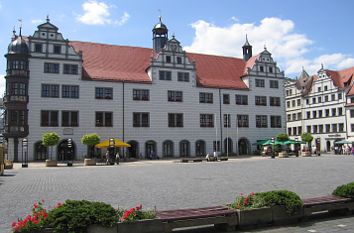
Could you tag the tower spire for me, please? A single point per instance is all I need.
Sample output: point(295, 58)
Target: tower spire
point(20, 20)
point(48, 20)
point(247, 50)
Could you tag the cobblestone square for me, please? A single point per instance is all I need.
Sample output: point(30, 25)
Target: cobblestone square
point(170, 184)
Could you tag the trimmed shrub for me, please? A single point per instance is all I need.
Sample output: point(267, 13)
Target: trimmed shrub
point(346, 190)
point(74, 216)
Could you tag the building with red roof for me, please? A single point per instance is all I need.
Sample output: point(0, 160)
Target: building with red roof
point(163, 101)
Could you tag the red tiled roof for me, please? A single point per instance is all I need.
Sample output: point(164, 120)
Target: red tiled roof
point(123, 63)
point(250, 63)
point(340, 77)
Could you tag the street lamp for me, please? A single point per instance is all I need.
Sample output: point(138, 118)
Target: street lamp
point(24, 152)
point(111, 150)
point(70, 147)
point(273, 142)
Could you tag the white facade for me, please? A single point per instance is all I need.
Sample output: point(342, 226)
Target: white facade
point(184, 138)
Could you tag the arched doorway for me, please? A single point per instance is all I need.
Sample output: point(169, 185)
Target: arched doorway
point(133, 150)
point(200, 148)
point(150, 149)
point(40, 151)
point(65, 153)
point(184, 148)
point(328, 146)
point(228, 146)
point(167, 148)
point(243, 147)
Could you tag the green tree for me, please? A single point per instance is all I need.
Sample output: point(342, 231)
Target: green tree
point(50, 139)
point(307, 137)
point(90, 140)
point(282, 137)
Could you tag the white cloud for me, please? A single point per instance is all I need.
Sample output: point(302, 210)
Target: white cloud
point(288, 47)
point(36, 21)
point(123, 19)
point(99, 13)
point(2, 85)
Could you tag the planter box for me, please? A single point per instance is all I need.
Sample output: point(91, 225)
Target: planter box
point(8, 164)
point(51, 163)
point(101, 229)
point(254, 217)
point(283, 154)
point(305, 153)
point(89, 162)
point(280, 216)
point(142, 226)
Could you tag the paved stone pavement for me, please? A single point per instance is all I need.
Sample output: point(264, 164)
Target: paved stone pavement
point(170, 185)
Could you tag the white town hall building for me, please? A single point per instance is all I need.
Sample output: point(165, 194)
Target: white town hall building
point(161, 100)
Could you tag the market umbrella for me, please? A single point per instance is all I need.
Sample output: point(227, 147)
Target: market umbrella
point(343, 142)
point(117, 143)
point(291, 141)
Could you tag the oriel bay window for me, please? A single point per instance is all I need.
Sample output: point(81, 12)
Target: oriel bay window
point(104, 119)
point(70, 118)
point(49, 118)
point(207, 120)
point(141, 119)
point(175, 96)
point(175, 120)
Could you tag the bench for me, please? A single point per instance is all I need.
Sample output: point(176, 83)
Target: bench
point(221, 217)
point(329, 203)
point(186, 160)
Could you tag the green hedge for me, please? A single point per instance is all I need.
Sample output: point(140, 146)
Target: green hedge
point(346, 190)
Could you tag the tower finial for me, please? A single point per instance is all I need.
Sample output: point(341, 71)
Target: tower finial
point(321, 66)
point(160, 16)
point(265, 46)
point(246, 38)
point(14, 31)
point(20, 20)
point(48, 20)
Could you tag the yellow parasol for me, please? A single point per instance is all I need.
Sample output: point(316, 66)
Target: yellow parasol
point(117, 143)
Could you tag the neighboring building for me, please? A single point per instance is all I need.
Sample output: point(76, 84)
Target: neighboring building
point(317, 104)
point(161, 100)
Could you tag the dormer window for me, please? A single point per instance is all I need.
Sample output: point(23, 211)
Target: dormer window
point(168, 59)
point(57, 49)
point(179, 60)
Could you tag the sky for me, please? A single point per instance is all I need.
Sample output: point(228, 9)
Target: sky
point(299, 33)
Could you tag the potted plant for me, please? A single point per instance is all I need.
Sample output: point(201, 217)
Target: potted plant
point(50, 139)
point(306, 137)
point(90, 140)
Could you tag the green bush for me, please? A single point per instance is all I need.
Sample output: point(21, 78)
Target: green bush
point(346, 190)
point(74, 216)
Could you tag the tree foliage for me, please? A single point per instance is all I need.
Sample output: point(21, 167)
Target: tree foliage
point(306, 137)
point(90, 140)
point(282, 137)
point(50, 139)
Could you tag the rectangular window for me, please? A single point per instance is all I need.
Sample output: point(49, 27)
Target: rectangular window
point(175, 120)
point(308, 115)
point(206, 120)
point(261, 121)
point(275, 121)
point(227, 122)
point(179, 60)
point(299, 130)
point(320, 128)
point(141, 119)
point(241, 99)
point(50, 90)
point(334, 128)
point(333, 97)
point(318, 89)
point(261, 69)
point(294, 116)
point(326, 98)
point(319, 99)
point(319, 113)
point(183, 76)
point(327, 112)
point(307, 101)
point(293, 103)
point(289, 117)
point(175, 96)
point(351, 113)
point(294, 130)
point(274, 101)
point(339, 96)
point(299, 116)
point(70, 118)
point(340, 111)
point(70, 69)
point(351, 99)
point(289, 131)
point(352, 127)
point(314, 114)
point(104, 93)
point(260, 82)
point(17, 89)
point(273, 84)
point(226, 98)
point(313, 100)
point(298, 101)
point(141, 94)
point(57, 49)
point(205, 97)
point(270, 69)
point(52, 68)
point(168, 59)
point(341, 127)
point(328, 128)
point(334, 111)
point(104, 119)
point(308, 128)
point(37, 48)
point(165, 75)
point(325, 88)
point(314, 128)
point(70, 91)
point(261, 100)
point(242, 121)
point(49, 118)
point(288, 104)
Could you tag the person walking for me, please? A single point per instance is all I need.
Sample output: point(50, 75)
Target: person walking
point(117, 158)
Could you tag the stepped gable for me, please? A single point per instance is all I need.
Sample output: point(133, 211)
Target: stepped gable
point(103, 62)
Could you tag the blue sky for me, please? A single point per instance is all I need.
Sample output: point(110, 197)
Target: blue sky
point(297, 33)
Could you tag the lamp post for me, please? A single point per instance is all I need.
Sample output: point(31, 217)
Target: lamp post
point(24, 152)
point(111, 150)
point(70, 147)
point(273, 142)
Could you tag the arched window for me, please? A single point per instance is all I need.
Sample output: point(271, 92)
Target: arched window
point(184, 149)
point(167, 148)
